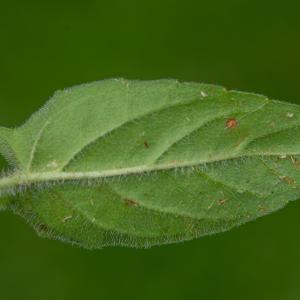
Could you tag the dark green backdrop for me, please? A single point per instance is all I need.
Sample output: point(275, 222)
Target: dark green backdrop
point(246, 45)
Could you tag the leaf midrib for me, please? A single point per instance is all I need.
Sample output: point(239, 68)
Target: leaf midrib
point(28, 179)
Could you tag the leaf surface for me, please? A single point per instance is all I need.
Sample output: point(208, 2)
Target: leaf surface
point(141, 163)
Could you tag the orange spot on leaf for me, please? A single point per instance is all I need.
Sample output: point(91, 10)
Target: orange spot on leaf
point(231, 123)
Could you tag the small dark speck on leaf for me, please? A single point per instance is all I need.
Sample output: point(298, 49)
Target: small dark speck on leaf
point(231, 123)
point(129, 202)
point(146, 144)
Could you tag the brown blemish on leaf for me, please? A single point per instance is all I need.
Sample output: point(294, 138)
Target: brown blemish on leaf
point(288, 180)
point(146, 144)
point(222, 201)
point(130, 202)
point(43, 227)
point(231, 123)
point(296, 162)
point(262, 209)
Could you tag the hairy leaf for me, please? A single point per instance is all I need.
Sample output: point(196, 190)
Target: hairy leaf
point(141, 163)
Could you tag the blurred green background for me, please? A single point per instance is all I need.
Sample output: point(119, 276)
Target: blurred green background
point(246, 45)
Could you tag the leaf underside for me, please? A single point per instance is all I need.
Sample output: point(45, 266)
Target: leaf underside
point(142, 163)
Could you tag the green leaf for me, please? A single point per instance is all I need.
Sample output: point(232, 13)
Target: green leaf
point(141, 163)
